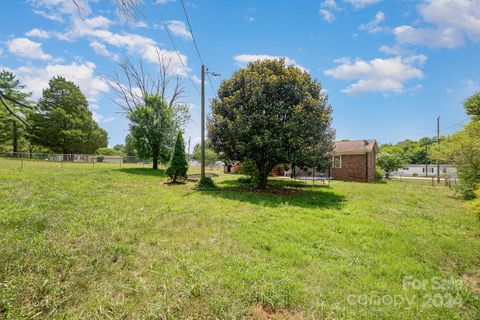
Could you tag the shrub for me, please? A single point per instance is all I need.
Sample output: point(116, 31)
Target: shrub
point(474, 205)
point(379, 174)
point(249, 168)
point(178, 166)
point(414, 174)
point(205, 184)
point(100, 159)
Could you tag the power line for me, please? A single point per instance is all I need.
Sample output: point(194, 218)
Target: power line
point(191, 31)
point(175, 47)
point(456, 124)
point(196, 45)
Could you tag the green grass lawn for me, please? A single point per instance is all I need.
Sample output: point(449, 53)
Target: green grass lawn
point(118, 243)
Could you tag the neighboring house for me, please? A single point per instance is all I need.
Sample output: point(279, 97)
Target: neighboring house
point(352, 161)
point(424, 170)
point(355, 160)
point(111, 159)
point(232, 168)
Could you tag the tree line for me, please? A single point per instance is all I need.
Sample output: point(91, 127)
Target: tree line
point(60, 121)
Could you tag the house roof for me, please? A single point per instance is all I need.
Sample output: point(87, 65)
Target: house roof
point(355, 146)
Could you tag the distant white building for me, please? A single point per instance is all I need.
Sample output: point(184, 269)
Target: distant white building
point(423, 170)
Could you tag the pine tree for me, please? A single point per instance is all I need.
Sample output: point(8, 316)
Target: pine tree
point(12, 131)
point(65, 123)
point(178, 166)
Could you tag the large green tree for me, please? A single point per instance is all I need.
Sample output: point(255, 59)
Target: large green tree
point(64, 123)
point(129, 146)
point(153, 127)
point(13, 135)
point(413, 152)
point(389, 162)
point(472, 105)
point(271, 113)
point(210, 155)
point(151, 101)
point(463, 149)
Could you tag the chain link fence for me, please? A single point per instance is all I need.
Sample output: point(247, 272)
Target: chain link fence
point(25, 159)
point(20, 160)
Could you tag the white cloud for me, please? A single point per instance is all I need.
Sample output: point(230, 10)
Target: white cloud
point(332, 4)
point(49, 16)
point(27, 48)
point(451, 22)
point(101, 118)
point(374, 25)
point(250, 18)
point(433, 38)
point(327, 15)
point(96, 30)
point(179, 29)
point(55, 10)
point(377, 75)
point(246, 58)
point(36, 78)
point(359, 4)
point(38, 33)
point(102, 50)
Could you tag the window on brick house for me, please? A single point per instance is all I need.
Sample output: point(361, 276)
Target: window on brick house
point(337, 162)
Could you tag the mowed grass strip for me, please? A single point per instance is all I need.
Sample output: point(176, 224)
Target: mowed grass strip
point(109, 242)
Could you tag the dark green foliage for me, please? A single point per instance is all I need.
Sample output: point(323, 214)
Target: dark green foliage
point(271, 113)
point(153, 127)
point(413, 152)
point(472, 105)
point(379, 175)
point(463, 150)
point(13, 135)
point(210, 155)
point(178, 166)
point(205, 184)
point(64, 123)
point(100, 158)
point(389, 162)
point(129, 146)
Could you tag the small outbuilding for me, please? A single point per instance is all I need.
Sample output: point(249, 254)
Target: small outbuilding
point(355, 160)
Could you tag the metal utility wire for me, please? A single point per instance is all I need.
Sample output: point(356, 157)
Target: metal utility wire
point(175, 48)
point(196, 46)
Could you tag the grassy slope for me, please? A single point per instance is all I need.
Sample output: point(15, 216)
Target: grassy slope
point(101, 242)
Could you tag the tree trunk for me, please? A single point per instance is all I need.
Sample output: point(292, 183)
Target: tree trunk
point(155, 162)
point(263, 172)
point(15, 138)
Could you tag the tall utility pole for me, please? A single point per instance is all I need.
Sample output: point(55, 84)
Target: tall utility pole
point(438, 149)
point(202, 170)
point(204, 71)
point(426, 160)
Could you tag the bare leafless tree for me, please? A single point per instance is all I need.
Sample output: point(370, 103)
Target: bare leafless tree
point(129, 9)
point(152, 103)
point(132, 83)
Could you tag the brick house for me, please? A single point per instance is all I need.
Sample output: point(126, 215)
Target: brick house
point(355, 160)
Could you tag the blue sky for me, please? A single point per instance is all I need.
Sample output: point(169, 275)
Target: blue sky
point(389, 67)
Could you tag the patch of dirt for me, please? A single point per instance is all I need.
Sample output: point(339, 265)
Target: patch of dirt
point(261, 313)
point(171, 183)
point(278, 190)
point(471, 281)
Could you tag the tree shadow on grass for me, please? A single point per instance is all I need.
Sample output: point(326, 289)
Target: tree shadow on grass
point(280, 193)
point(144, 171)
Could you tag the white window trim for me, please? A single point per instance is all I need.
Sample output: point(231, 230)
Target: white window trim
point(340, 164)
